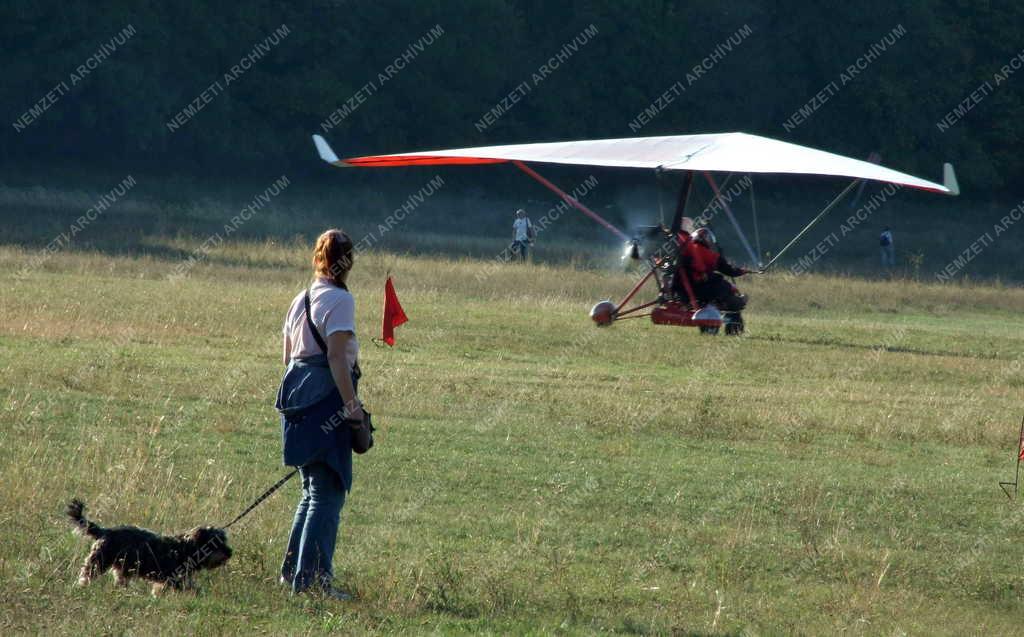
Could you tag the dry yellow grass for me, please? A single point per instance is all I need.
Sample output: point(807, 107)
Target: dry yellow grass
point(834, 470)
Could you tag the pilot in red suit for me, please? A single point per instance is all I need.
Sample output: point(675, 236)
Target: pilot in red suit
point(704, 266)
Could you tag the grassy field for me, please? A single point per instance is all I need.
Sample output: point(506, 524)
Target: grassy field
point(835, 470)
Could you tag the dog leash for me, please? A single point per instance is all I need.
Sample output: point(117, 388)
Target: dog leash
point(266, 494)
point(269, 492)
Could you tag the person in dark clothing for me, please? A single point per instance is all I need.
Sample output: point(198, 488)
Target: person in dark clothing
point(888, 249)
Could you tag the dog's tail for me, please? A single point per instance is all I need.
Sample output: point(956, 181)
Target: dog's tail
point(76, 511)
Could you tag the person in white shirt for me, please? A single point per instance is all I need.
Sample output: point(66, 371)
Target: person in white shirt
point(318, 396)
point(522, 235)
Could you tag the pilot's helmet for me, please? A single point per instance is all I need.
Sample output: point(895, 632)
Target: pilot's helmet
point(705, 237)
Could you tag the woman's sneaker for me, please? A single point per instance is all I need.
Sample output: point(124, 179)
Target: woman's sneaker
point(337, 594)
point(327, 591)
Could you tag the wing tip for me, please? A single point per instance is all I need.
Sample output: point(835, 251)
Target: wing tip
point(949, 179)
point(325, 151)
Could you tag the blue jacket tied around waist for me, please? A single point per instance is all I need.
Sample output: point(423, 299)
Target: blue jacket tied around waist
point(312, 412)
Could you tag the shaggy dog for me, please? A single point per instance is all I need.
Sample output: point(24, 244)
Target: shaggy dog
point(166, 561)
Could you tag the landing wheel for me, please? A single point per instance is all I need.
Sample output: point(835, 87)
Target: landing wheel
point(733, 323)
point(710, 331)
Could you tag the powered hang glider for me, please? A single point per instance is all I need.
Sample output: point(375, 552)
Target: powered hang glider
point(690, 154)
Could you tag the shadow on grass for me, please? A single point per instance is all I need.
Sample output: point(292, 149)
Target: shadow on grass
point(897, 349)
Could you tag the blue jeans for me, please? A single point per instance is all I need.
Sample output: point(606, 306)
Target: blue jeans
point(521, 250)
point(310, 555)
point(888, 256)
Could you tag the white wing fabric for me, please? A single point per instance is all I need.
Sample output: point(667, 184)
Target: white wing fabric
point(726, 152)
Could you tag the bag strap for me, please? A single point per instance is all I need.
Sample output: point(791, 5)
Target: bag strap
point(312, 327)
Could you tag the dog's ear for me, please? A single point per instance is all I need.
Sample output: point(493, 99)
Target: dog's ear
point(207, 535)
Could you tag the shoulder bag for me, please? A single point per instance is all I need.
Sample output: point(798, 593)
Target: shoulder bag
point(362, 430)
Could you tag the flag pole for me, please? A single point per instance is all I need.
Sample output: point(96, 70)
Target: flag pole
point(387, 275)
point(1020, 455)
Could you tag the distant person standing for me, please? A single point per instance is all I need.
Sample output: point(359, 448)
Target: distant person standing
point(522, 235)
point(887, 247)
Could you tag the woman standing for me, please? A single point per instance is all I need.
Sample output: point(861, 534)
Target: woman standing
point(316, 399)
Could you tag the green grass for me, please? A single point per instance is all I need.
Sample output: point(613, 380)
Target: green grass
point(833, 471)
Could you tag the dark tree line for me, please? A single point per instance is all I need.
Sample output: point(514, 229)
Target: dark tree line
point(343, 57)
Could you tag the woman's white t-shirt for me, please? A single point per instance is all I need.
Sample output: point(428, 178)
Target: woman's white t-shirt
point(334, 310)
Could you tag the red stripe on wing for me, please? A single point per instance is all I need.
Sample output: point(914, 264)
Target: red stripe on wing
point(375, 161)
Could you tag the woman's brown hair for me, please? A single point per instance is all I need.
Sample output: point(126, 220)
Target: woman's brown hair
point(332, 256)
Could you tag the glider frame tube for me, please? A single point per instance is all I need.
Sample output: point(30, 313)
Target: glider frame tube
point(569, 199)
point(684, 198)
point(632, 293)
point(735, 224)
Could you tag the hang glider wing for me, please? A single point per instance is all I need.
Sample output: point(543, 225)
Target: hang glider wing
point(726, 152)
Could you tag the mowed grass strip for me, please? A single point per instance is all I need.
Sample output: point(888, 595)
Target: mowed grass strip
point(835, 469)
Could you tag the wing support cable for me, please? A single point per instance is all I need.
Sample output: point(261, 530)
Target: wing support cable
point(753, 211)
point(813, 222)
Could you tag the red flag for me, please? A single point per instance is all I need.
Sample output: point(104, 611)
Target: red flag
point(394, 315)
